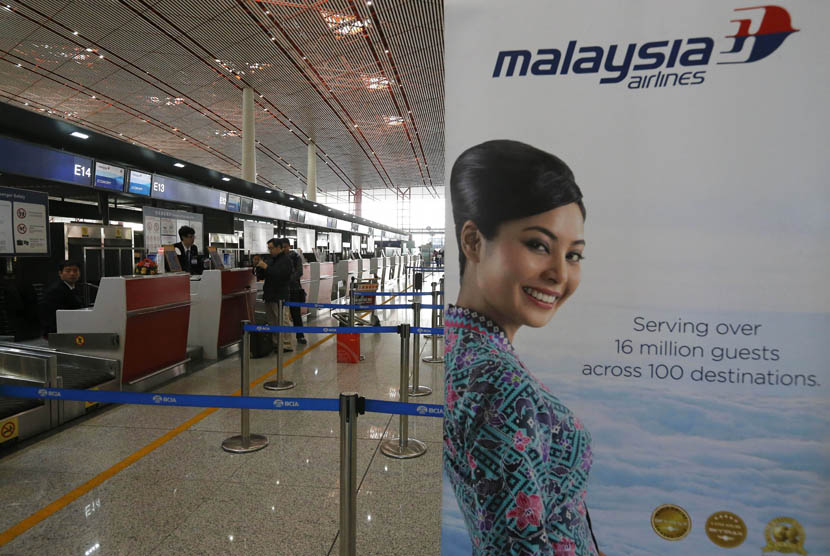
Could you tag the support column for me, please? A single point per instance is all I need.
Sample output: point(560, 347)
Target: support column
point(248, 136)
point(358, 202)
point(311, 190)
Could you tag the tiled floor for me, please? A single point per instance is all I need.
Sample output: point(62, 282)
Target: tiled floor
point(188, 496)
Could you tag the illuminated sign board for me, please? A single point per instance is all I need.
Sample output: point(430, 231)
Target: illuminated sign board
point(247, 205)
point(39, 162)
point(172, 189)
point(233, 204)
point(108, 176)
point(139, 183)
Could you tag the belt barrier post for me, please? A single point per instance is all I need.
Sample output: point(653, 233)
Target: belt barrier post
point(441, 302)
point(278, 383)
point(415, 389)
point(351, 310)
point(348, 473)
point(434, 358)
point(246, 442)
point(403, 447)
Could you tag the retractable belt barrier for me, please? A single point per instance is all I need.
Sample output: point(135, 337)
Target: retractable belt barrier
point(392, 294)
point(216, 402)
point(356, 306)
point(340, 329)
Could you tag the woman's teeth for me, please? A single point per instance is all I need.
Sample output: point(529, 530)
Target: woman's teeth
point(540, 296)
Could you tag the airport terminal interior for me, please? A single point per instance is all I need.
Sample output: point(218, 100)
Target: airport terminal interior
point(171, 175)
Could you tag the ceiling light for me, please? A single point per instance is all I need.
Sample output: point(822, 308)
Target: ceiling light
point(268, 191)
point(218, 60)
point(93, 96)
point(101, 56)
point(75, 33)
point(226, 179)
point(89, 50)
point(179, 165)
point(20, 65)
point(79, 135)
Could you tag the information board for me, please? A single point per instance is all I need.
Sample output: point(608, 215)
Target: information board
point(161, 227)
point(233, 203)
point(24, 223)
point(139, 182)
point(40, 162)
point(305, 240)
point(172, 189)
point(257, 235)
point(247, 205)
point(108, 176)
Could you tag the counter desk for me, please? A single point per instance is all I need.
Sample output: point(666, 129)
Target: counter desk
point(220, 301)
point(142, 321)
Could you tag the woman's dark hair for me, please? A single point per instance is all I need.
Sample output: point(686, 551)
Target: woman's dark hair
point(502, 180)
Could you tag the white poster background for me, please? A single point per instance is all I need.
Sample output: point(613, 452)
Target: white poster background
point(706, 203)
point(30, 228)
point(6, 228)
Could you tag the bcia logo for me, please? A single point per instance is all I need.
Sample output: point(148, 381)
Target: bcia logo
point(422, 410)
point(168, 399)
point(694, 52)
point(286, 403)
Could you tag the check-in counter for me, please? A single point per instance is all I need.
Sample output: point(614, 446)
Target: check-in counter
point(220, 301)
point(344, 271)
point(375, 266)
point(363, 269)
point(320, 286)
point(141, 321)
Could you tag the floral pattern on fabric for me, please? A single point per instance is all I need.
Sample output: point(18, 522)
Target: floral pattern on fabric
point(517, 458)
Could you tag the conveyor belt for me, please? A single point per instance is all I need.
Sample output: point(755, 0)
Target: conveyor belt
point(9, 407)
point(75, 377)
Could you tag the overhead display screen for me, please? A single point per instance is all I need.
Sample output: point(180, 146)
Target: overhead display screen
point(233, 202)
point(39, 162)
point(247, 206)
point(139, 182)
point(172, 189)
point(108, 176)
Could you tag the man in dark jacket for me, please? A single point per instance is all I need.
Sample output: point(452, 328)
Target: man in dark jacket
point(276, 288)
point(296, 292)
point(60, 295)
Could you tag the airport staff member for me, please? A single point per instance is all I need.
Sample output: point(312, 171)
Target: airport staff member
point(277, 288)
point(60, 295)
point(187, 252)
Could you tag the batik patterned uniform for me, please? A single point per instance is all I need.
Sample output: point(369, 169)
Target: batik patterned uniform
point(517, 458)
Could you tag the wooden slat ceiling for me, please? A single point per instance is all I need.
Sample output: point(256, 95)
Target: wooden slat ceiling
point(363, 80)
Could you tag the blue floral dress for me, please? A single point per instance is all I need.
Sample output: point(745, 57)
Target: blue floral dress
point(517, 458)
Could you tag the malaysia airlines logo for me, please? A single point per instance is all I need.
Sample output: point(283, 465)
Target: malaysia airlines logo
point(677, 62)
point(775, 27)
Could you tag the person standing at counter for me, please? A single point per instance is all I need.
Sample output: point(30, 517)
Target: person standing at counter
point(187, 252)
point(296, 292)
point(60, 295)
point(276, 288)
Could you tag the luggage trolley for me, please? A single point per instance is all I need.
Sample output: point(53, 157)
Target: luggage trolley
point(368, 285)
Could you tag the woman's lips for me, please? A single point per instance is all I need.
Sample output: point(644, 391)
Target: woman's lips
point(543, 298)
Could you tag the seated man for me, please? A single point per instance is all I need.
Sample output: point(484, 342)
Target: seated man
point(60, 295)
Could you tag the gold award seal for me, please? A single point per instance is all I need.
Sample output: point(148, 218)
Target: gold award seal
point(784, 535)
point(671, 522)
point(726, 529)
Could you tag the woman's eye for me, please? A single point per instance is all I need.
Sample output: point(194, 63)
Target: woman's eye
point(536, 245)
point(574, 257)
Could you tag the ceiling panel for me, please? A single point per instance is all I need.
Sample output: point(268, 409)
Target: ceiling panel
point(365, 83)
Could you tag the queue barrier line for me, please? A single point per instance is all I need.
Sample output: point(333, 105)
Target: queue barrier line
point(215, 402)
point(55, 506)
point(356, 307)
point(389, 294)
point(340, 329)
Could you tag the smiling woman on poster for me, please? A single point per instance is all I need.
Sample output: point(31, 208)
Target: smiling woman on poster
point(518, 459)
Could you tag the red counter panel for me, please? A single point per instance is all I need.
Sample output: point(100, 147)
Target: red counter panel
point(235, 281)
point(234, 310)
point(154, 340)
point(155, 291)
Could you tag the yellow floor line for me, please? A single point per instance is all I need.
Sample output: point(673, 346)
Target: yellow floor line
point(18, 529)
